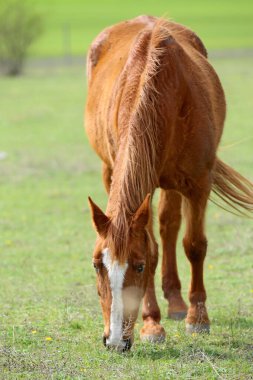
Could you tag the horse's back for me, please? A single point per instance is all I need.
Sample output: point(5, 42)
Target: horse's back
point(107, 59)
point(116, 40)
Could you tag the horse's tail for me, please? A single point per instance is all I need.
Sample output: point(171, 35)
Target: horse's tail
point(232, 188)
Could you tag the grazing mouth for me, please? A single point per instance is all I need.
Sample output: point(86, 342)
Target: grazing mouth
point(120, 346)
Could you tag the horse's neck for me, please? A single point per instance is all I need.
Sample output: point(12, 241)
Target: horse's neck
point(135, 169)
point(133, 178)
point(117, 199)
point(125, 197)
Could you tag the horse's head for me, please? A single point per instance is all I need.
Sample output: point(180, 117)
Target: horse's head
point(121, 279)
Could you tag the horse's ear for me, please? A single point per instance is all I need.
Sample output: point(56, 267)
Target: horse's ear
point(100, 220)
point(141, 217)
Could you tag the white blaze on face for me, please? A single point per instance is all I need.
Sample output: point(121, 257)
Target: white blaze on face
point(116, 274)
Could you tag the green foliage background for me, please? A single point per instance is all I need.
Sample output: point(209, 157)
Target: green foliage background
point(221, 24)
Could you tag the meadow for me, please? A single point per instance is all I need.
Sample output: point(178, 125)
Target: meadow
point(50, 320)
point(51, 324)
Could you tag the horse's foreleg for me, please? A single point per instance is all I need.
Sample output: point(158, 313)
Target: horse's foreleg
point(170, 220)
point(152, 330)
point(107, 176)
point(195, 245)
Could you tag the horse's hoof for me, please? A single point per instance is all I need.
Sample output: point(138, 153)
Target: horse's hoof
point(198, 328)
point(178, 316)
point(152, 332)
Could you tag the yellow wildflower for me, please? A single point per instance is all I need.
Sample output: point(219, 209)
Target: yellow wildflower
point(48, 338)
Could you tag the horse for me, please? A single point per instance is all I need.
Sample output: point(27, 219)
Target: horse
point(154, 115)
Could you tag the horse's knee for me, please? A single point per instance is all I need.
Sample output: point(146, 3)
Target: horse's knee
point(154, 256)
point(169, 223)
point(195, 250)
point(107, 177)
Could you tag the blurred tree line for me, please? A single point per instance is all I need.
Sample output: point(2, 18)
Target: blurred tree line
point(20, 26)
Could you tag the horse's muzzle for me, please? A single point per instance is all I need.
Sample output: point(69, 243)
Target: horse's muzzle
point(122, 346)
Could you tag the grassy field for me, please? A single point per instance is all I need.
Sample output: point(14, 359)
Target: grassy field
point(70, 26)
point(50, 320)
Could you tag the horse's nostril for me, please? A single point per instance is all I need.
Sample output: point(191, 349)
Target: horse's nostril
point(122, 346)
point(128, 345)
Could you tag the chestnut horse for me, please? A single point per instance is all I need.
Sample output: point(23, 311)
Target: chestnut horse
point(155, 114)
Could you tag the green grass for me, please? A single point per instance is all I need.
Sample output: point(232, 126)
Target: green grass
point(47, 283)
point(221, 24)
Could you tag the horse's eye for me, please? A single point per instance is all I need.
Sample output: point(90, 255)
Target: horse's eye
point(140, 268)
point(96, 267)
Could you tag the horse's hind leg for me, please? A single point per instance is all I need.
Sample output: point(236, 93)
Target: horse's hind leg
point(195, 245)
point(170, 220)
point(107, 176)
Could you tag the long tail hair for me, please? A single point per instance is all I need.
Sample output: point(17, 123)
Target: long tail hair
point(233, 189)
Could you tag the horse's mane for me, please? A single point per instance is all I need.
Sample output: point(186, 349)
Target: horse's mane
point(137, 119)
